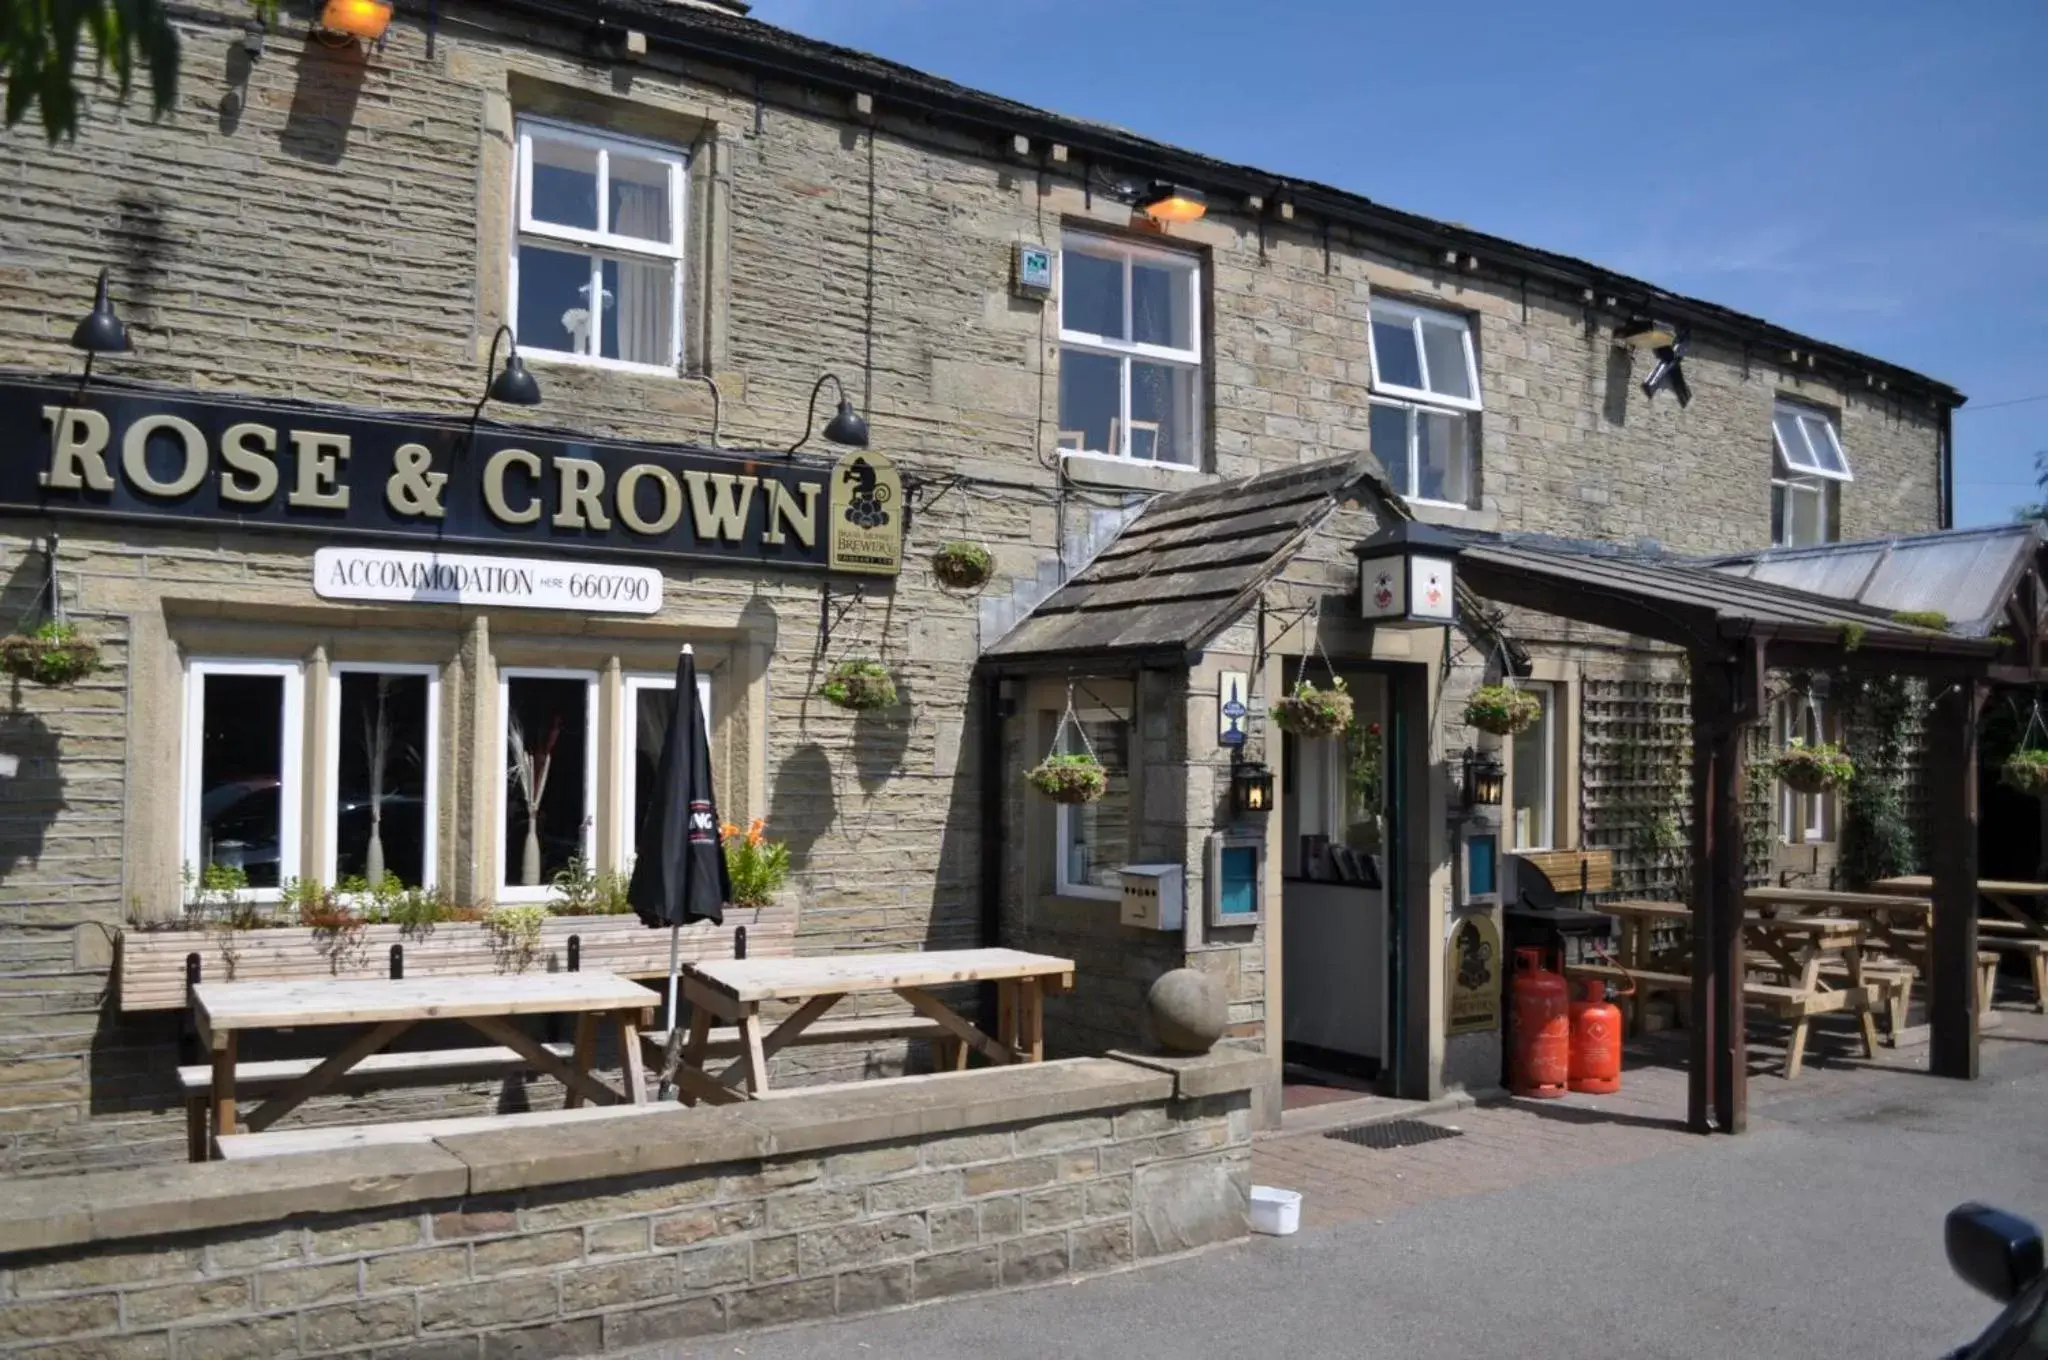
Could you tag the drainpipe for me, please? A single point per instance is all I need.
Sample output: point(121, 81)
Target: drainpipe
point(991, 831)
point(1948, 466)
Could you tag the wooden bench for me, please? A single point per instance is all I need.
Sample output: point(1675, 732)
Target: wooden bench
point(725, 1039)
point(252, 1078)
point(1987, 962)
point(1572, 871)
point(1779, 1002)
point(2033, 949)
point(341, 1137)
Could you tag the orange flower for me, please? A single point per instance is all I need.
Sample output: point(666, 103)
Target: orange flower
point(726, 831)
point(754, 836)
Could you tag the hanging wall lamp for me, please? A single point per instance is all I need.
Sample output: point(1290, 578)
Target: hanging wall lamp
point(361, 20)
point(1251, 788)
point(1173, 203)
point(512, 387)
point(101, 332)
point(1484, 776)
point(1668, 343)
point(846, 428)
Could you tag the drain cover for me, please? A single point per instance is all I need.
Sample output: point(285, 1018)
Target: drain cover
point(1394, 1133)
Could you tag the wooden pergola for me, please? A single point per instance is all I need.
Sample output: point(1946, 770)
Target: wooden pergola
point(1732, 630)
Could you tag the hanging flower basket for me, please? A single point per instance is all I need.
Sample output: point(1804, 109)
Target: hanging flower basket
point(963, 566)
point(1502, 710)
point(1069, 779)
point(1813, 769)
point(53, 654)
point(2026, 772)
point(1312, 712)
point(859, 685)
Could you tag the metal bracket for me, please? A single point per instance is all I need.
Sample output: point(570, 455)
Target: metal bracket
point(915, 501)
point(829, 617)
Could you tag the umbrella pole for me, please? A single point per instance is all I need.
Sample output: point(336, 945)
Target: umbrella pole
point(675, 968)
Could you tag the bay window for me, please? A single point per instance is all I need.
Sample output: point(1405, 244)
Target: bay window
point(1130, 351)
point(597, 263)
point(1808, 472)
point(1425, 400)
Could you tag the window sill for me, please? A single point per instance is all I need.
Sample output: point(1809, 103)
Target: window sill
point(1448, 515)
point(551, 358)
point(1081, 897)
point(1129, 474)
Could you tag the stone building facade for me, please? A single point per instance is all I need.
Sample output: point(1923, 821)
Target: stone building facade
point(336, 226)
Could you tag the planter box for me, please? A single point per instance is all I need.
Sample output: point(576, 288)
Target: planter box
point(152, 963)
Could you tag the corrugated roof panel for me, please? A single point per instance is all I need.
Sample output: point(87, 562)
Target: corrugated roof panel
point(1839, 574)
point(1966, 579)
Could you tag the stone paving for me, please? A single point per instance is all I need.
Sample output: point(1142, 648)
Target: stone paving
point(1506, 1142)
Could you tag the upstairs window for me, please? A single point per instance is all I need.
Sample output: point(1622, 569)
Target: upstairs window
point(1425, 382)
point(1807, 476)
point(1130, 351)
point(597, 269)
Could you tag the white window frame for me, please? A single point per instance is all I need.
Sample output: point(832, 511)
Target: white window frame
point(1805, 717)
point(1391, 309)
point(1545, 834)
point(628, 783)
point(1126, 350)
point(291, 777)
point(604, 244)
point(1415, 412)
point(1799, 472)
point(430, 843)
point(503, 891)
point(1063, 823)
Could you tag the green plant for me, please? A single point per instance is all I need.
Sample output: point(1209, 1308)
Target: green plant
point(859, 684)
point(1853, 635)
point(1877, 841)
point(1813, 769)
point(756, 865)
point(581, 891)
point(2026, 771)
point(1312, 712)
point(1069, 778)
point(1922, 618)
point(515, 930)
point(1502, 710)
point(54, 654)
point(963, 566)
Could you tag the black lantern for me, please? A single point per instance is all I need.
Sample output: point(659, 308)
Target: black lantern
point(1484, 776)
point(1251, 788)
point(1407, 576)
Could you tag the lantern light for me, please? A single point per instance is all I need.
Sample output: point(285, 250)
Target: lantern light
point(364, 20)
point(1174, 203)
point(1407, 576)
point(1251, 788)
point(1484, 776)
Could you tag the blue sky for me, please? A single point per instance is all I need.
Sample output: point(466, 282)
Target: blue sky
point(1873, 174)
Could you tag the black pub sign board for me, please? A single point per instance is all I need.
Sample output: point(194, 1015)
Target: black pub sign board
point(143, 453)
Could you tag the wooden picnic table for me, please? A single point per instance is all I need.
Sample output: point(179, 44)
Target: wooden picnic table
point(1638, 920)
point(223, 1011)
point(2024, 930)
point(733, 990)
point(1900, 922)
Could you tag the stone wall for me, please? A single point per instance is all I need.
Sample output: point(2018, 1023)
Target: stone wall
point(645, 1229)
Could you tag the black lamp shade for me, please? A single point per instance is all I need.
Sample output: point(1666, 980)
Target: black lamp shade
point(1484, 778)
point(1251, 788)
point(515, 386)
point(101, 332)
point(847, 428)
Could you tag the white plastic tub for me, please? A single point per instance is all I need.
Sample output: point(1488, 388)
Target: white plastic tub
point(1275, 1212)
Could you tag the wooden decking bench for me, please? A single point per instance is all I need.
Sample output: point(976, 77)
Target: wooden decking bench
point(1797, 1004)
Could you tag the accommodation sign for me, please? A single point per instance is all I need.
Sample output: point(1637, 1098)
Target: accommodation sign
point(502, 582)
point(136, 453)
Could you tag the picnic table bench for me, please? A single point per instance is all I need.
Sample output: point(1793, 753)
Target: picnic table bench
point(226, 1010)
point(2022, 931)
point(734, 990)
point(1897, 921)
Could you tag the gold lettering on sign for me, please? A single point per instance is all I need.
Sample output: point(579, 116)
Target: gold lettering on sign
point(494, 485)
point(716, 512)
point(320, 458)
point(259, 462)
point(135, 455)
point(783, 508)
point(78, 456)
point(582, 499)
point(415, 488)
point(629, 502)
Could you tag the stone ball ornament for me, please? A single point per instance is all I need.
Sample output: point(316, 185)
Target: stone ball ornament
point(1188, 1011)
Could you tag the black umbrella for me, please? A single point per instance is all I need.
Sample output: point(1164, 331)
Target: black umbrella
point(679, 875)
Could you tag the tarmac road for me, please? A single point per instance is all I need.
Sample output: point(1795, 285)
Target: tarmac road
point(1818, 1234)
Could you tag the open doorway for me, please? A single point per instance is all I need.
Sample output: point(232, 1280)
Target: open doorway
point(1337, 822)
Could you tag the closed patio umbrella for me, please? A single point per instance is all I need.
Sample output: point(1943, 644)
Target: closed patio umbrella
point(679, 875)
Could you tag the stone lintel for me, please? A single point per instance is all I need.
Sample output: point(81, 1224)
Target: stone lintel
point(1219, 1072)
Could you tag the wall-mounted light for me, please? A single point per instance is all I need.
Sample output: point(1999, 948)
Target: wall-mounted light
point(1173, 203)
point(513, 387)
point(717, 404)
point(1644, 333)
point(1251, 788)
point(1669, 371)
point(846, 428)
point(362, 20)
point(1484, 776)
point(101, 332)
point(1407, 576)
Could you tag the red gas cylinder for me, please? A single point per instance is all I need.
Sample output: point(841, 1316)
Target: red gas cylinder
point(1596, 1041)
point(1541, 1063)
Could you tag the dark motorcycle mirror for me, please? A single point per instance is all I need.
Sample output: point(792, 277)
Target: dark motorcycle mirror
point(1997, 1253)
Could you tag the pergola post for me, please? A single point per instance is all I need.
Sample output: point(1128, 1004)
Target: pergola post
point(1718, 1074)
point(1952, 797)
